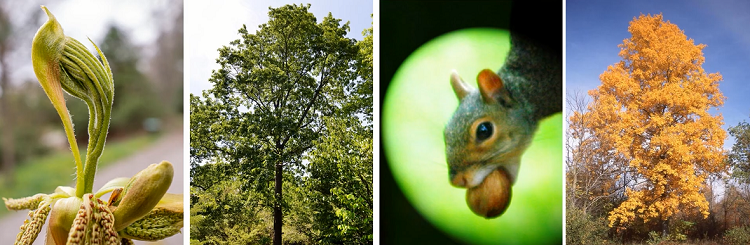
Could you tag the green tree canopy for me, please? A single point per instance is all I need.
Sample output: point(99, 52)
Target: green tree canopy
point(291, 107)
point(739, 158)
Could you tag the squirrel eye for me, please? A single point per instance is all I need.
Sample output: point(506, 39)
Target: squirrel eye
point(484, 131)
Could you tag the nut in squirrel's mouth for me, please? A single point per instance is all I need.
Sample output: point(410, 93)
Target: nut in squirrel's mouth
point(472, 176)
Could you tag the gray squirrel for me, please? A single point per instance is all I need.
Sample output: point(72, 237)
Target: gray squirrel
point(493, 126)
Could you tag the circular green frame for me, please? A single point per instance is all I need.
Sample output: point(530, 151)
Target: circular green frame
point(419, 102)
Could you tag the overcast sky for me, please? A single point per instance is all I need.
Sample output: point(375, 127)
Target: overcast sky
point(213, 24)
point(82, 18)
point(595, 28)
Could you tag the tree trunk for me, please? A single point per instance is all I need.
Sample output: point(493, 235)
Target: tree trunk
point(725, 214)
point(665, 228)
point(277, 218)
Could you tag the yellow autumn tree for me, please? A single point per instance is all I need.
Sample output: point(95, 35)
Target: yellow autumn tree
point(653, 107)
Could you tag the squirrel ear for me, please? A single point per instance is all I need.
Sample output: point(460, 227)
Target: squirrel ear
point(459, 86)
point(491, 87)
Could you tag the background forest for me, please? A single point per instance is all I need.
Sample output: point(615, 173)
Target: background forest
point(648, 157)
point(284, 136)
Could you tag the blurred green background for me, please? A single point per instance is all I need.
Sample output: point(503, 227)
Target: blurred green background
point(413, 143)
point(143, 41)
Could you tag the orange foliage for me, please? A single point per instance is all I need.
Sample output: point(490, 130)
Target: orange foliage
point(653, 108)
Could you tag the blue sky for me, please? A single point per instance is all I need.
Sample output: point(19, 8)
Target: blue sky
point(213, 24)
point(595, 28)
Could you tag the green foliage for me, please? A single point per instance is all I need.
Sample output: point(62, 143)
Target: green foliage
point(221, 213)
point(654, 238)
point(341, 183)
point(360, 98)
point(738, 158)
point(224, 212)
point(737, 235)
point(679, 230)
point(298, 215)
point(292, 102)
point(582, 228)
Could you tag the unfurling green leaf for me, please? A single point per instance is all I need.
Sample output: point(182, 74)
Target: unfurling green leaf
point(46, 53)
point(63, 63)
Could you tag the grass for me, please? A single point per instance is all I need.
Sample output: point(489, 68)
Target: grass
point(45, 173)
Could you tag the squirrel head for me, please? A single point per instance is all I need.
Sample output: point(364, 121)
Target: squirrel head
point(490, 129)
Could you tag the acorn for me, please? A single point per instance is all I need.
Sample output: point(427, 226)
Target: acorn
point(490, 199)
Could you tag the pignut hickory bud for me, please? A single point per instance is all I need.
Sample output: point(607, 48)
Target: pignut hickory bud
point(142, 193)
